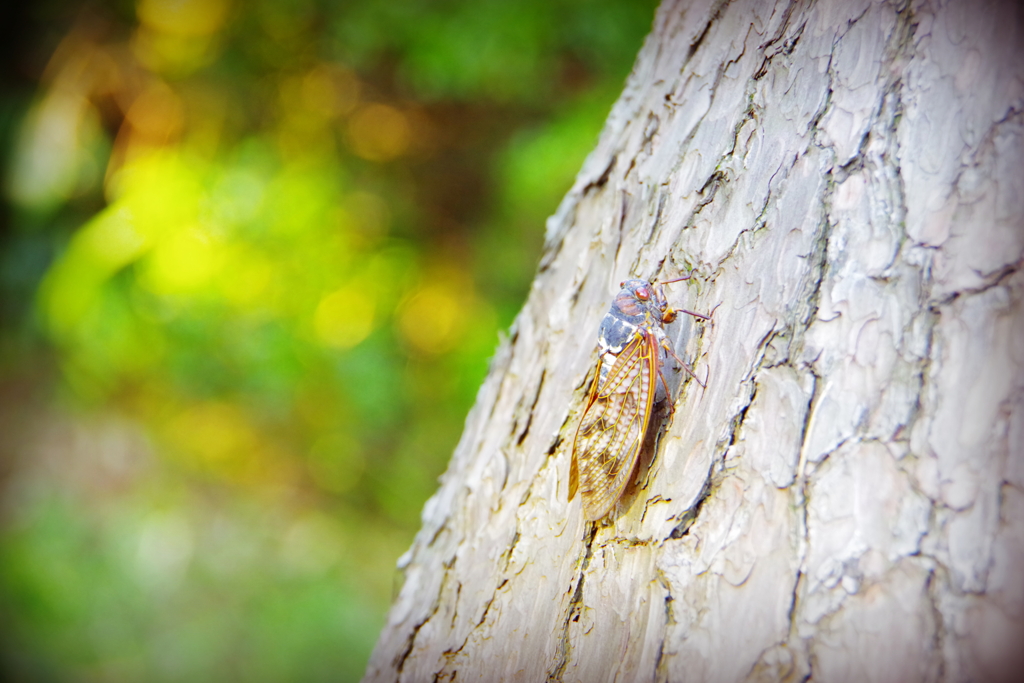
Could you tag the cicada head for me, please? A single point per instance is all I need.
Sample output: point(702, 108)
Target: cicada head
point(639, 298)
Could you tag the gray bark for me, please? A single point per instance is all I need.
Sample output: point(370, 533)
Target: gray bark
point(845, 500)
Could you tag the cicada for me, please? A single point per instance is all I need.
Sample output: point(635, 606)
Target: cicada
point(630, 345)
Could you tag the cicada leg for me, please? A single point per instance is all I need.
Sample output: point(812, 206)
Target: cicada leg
point(665, 345)
point(695, 315)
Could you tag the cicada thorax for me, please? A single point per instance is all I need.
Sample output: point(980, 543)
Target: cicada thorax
point(639, 310)
point(631, 346)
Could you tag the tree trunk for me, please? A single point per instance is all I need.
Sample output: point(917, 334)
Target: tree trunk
point(845, 500)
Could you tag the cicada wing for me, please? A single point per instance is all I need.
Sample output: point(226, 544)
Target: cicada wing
point(574, 473)
point(612, 430)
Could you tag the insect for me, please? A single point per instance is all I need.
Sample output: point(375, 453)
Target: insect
point(608, 439)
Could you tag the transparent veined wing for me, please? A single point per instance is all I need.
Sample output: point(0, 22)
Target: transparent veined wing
point(612, 429)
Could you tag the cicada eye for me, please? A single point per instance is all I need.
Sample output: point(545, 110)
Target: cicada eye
point(622, 284)
point(642, 294)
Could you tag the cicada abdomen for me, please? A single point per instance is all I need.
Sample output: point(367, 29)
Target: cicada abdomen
point(621, 399)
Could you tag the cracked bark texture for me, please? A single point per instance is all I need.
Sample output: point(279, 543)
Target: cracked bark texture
point(845, 501)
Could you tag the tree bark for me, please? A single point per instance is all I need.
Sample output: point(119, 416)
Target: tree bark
point(845, 500)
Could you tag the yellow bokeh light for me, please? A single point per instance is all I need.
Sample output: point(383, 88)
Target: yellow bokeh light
point(377, 132)
point(111, 240)
point(345, 317)
point(329, 89)
point(213, 431)
point(172, 54)
point(245, 278)
point(178, 36)
point(161, 189)
point(182, 263)
point(156, 200)
point(183, 17)
point(432, 320)
point(220, 438)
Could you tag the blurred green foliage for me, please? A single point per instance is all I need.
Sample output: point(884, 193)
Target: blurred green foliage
point(271, 243)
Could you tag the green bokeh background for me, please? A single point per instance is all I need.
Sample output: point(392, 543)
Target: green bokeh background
point(254, 259)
